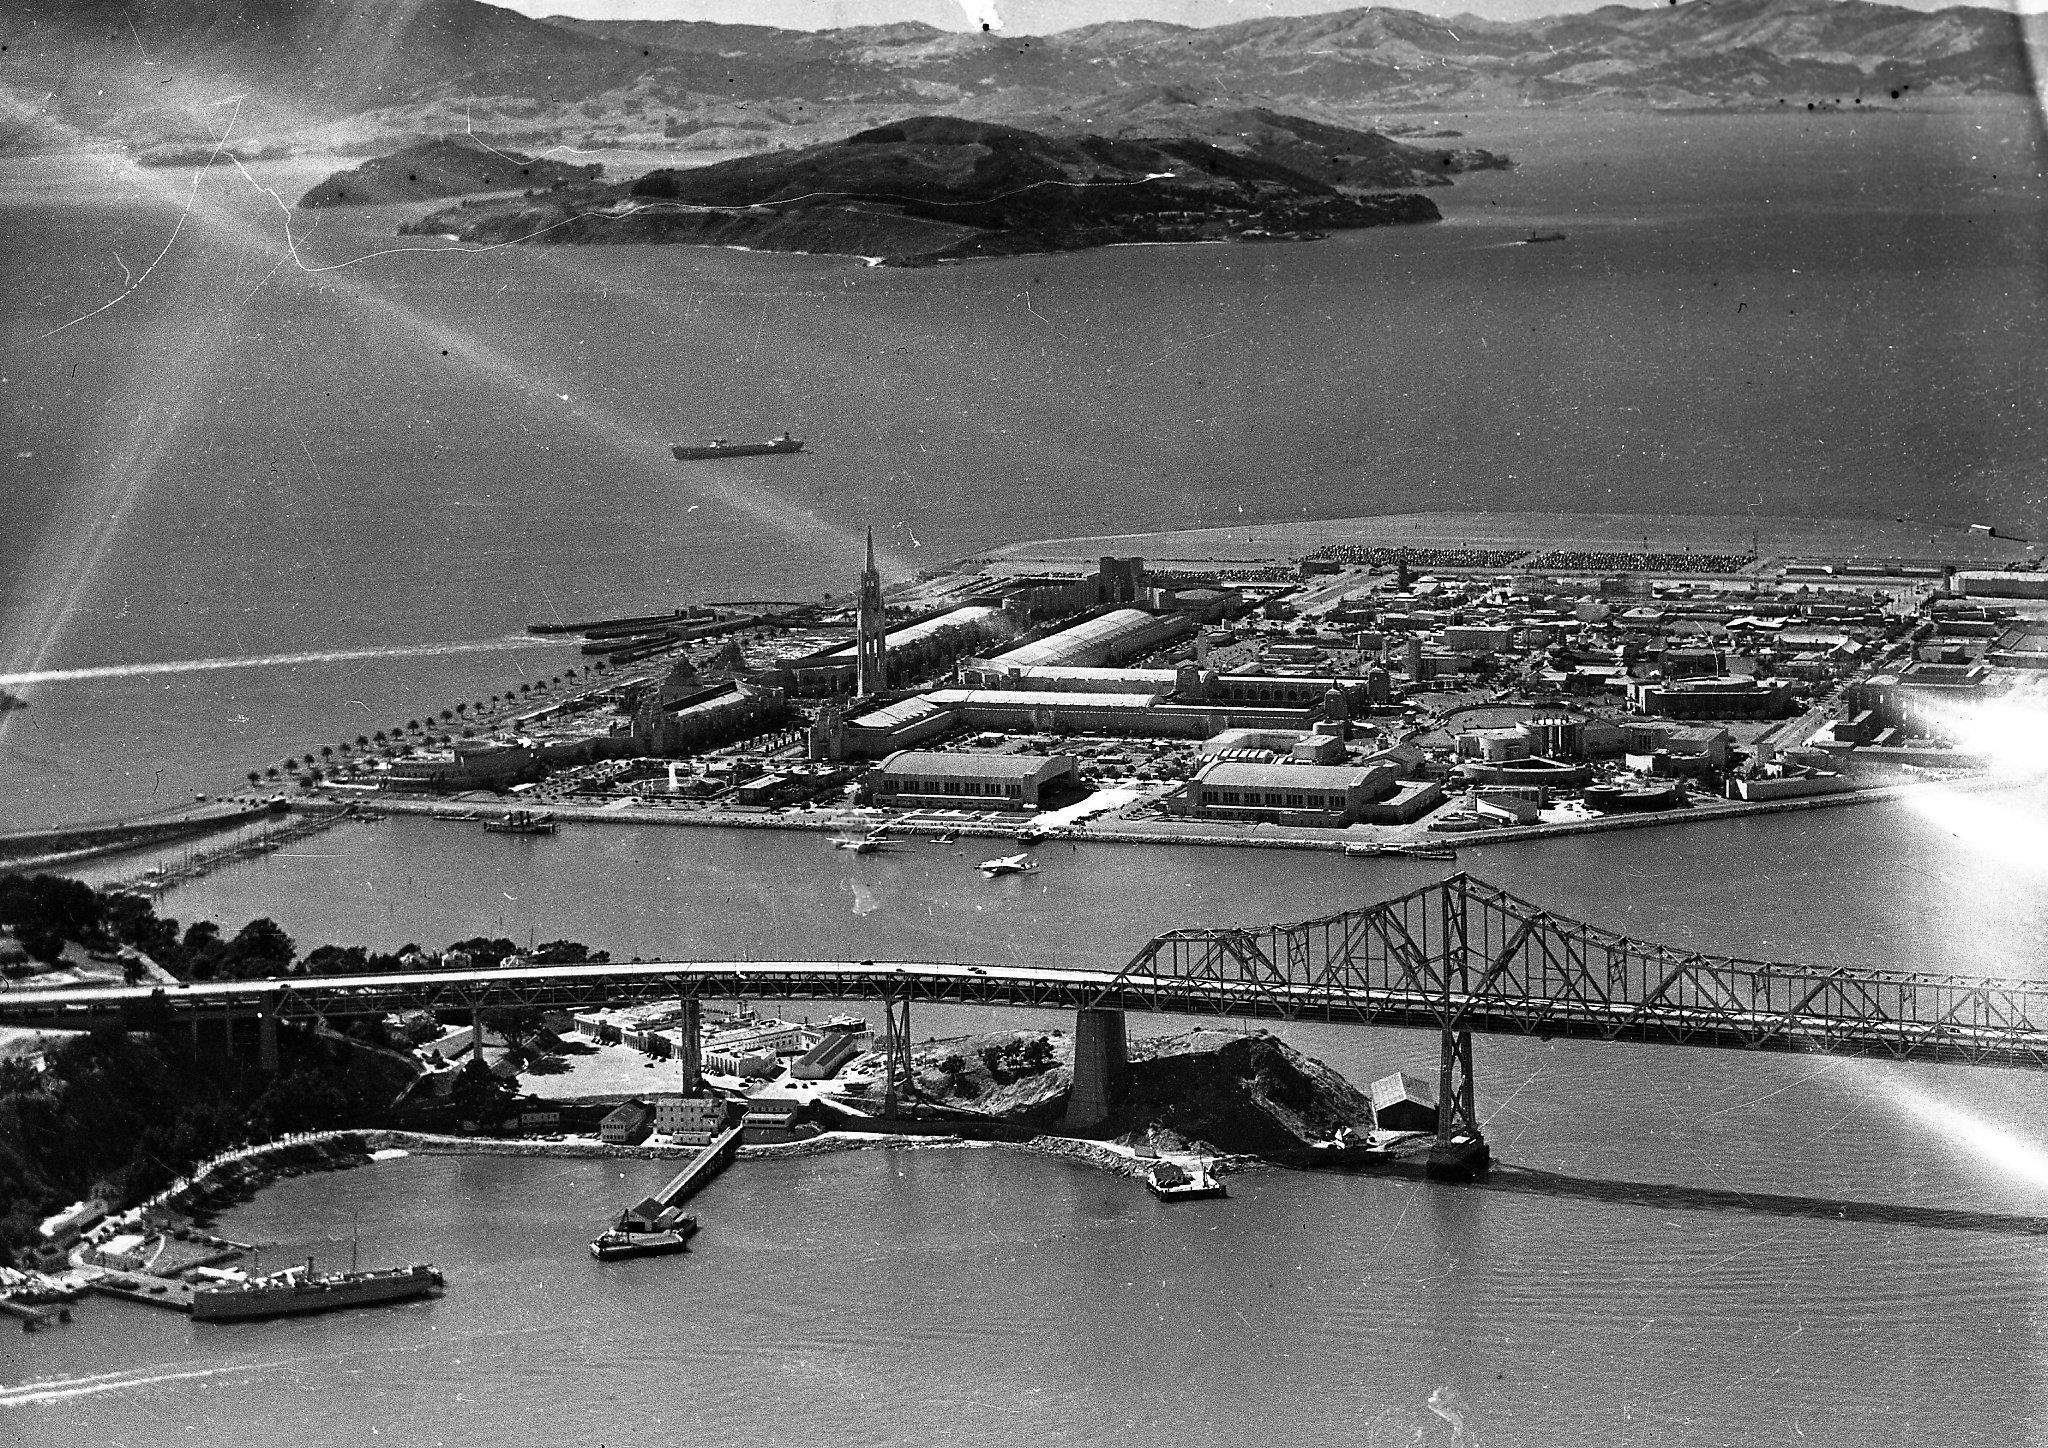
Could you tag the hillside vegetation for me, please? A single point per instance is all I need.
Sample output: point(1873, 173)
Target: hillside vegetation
point(937, 188)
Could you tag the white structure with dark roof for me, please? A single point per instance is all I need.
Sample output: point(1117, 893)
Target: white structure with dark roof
point(912, 777)
point(1118, 634)
point(1311, 794)
point(1326, 795)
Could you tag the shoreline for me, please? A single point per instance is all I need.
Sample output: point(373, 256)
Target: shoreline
point(1191, 833)
point(1776, 537)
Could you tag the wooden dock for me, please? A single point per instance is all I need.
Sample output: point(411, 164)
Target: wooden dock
point(702, 1167)
point(143, 1287)
point(34, 1315)
point(705, 1165)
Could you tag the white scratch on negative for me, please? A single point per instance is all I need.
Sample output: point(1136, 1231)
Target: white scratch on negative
point(190, 202)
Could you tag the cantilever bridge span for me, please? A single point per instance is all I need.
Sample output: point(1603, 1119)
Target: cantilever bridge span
point(1460, 956)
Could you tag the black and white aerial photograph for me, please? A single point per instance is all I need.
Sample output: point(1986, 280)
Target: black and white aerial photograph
point(1075, 723)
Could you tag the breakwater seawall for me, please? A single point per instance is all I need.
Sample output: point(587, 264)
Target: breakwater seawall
point(41, 849)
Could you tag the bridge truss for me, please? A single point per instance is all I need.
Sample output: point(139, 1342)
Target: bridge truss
point(1458, 957)
point(1464, 955)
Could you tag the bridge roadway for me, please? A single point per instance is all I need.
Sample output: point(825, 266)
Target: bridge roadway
point(1458, 956)
point(1420, 1006)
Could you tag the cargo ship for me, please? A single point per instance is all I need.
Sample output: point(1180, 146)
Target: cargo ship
point(720, 448)
point(301, 1290)
point(670, 1232)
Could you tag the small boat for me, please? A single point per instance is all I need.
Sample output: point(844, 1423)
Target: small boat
point(522, 822)
point(1170, 1181)
point(720, 448)
point(1537, 238)
point(949, 836)
point(671, 1233)
point(1020, 864)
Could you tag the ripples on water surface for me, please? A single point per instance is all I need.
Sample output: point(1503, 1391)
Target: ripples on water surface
point(987, 1297)
point(1796, 316)
point(1789, 315)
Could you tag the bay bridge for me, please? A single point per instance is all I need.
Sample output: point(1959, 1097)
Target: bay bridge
point(1460, 957)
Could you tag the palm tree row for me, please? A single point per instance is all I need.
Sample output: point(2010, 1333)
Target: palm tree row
point(413, 731)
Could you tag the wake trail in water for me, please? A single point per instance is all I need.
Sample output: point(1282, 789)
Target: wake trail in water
point(53, 1390)
point(59, 1389)
point(266, 661)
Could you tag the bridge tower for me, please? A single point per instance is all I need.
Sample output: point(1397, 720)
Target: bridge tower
point(898, 1080)
point(1460, 1151)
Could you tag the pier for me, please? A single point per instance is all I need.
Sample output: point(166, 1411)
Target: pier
point(198, 864)
point(40, 849)
point(144, 1288)
point(686, 1183)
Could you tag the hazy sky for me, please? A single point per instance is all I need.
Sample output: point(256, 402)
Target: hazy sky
point(1038, 17)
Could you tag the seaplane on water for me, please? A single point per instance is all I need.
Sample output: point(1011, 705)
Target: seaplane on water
point(1009, 865)
point(865, 844)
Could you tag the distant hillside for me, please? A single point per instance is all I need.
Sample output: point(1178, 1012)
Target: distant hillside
point(1703, 51)
point(444, 166)
point(376, 69)
point(937, 188)
point(1339, 155)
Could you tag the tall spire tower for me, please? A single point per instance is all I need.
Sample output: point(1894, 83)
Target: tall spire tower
point(871, 647)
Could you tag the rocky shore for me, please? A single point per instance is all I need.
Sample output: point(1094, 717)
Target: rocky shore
point(230, 1183)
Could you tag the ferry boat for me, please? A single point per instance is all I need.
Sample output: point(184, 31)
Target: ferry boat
point(1170, 1181)
point(522, 822)
point(669, 1234)
point(720, 448)
point(300, 1290)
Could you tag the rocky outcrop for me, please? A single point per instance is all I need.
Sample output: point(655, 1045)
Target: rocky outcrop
point(1234, 1092)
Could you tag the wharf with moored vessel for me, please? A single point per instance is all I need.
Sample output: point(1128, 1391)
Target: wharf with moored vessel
point(300, 1290)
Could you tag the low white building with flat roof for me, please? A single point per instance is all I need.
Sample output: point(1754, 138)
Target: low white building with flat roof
point(1297, 794)
point(910, 778)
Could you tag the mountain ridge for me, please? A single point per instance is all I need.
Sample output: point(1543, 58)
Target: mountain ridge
point(160, 70)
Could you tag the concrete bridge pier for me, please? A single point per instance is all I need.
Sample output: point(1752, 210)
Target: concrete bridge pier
point(1460, 1151)
point(1101, 1066)
point(690, 1038)
point(266, 1041)
point(898, 1079)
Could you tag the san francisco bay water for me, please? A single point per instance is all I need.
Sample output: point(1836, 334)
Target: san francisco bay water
point(242, 458)
point(419, 450)
point(982, 1297)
